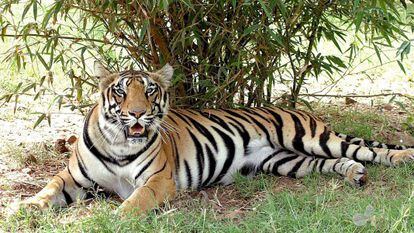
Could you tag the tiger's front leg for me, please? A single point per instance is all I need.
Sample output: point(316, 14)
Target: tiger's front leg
point(160, 187)
point(62, 190)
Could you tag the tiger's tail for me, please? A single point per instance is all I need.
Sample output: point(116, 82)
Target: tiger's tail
point(370, 143)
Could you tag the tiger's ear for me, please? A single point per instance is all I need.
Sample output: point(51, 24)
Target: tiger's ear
point(163, 76)
point(105, 77)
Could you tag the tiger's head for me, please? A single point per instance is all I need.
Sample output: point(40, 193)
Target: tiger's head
point(134, 101)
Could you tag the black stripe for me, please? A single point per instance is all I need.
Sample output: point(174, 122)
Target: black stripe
point(278, 126)
point(269, 157)
point(263, 128)
point(204, 131)
point(323, 142)
point(172, 119)
point(344, 148)
point(211, 166)
point(355, 154)
point(83, 168)
point(228, 142)
point(145, 167)
point(255, 113)
point(162, 169)
point(90, 146)
point(297, 142)
point(176, 154)
point(164, 97)
point(155, 173)
point(73, 178)
point(199, 158)
point(236, 114)
point(313, 125)
point(188, 173)
point(68, 198)
point(247, 169)
point(294, 170)
point(242, 131)
point(217, 120)
point(103, 99)
point(321, 164)
point(130, 158)
point(374, 154)
point(281, 162)
point(181, 117)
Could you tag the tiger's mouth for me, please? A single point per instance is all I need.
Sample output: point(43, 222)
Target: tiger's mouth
point(136, 131)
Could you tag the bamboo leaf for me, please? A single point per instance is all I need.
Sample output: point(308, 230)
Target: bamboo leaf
point(266, 9)
point(377, 51)
point(49, 13)
point(401, 66)
point(35, 9)
point(39, 120)
point(42, 61)
point(26, 9)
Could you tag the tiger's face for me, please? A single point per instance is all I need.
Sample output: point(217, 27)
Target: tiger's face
point(135, 101)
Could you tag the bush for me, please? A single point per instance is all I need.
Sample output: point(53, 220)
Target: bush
point(225, 53)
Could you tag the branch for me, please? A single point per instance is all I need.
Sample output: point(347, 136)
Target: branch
point(63, 37)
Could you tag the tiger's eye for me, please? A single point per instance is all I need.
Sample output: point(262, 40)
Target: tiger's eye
point(119, 91)
point(150, 89)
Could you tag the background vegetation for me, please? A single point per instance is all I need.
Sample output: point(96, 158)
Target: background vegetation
point(226, 53)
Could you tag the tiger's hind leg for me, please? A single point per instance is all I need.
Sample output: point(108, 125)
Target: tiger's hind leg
point(328, 145)
point(286, 163)
point(376, 154)
point(370, 143)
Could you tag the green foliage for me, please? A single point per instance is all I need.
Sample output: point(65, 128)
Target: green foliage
point(225, 53)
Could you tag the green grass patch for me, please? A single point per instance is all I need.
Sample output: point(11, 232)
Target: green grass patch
point(321, 204)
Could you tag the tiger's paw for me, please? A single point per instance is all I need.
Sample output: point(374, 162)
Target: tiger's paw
point(403, 156)
point(40, 203)
point(28, 205)
point(357, 175)
point(128, 209)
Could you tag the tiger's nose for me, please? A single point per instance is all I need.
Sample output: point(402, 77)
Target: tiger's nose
point(137, 113)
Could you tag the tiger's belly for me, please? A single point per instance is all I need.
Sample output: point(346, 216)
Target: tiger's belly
point(205, 167)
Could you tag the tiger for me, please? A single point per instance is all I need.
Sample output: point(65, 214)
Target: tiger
point(135, 146)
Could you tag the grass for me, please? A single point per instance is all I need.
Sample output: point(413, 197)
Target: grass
point(262, 204)
point(29, 154)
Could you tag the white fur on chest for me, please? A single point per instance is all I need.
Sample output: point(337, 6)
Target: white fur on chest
point(122, 178)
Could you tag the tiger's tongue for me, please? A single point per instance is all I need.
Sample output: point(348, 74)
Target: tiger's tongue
point(136, 130)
